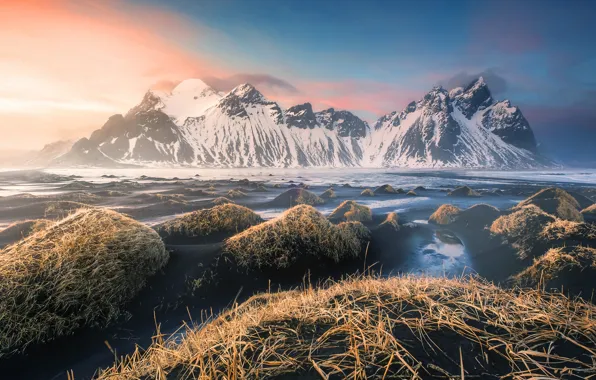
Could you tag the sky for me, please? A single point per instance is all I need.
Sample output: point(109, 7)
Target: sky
point(69, 64)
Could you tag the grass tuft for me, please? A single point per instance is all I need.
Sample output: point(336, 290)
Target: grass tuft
point(350, 211)
point(445, 214)
point(225, 218)
point(301, 232)
point(556, 202)
point(391, 328)
point(76, 272)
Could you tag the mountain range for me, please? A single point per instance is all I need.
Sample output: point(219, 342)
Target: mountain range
point(195, 125)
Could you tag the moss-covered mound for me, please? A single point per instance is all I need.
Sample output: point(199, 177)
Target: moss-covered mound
point(225, 218)
point(300, 234)
point(328, 194)
point(20, 230)
point(570, 267)
point(393, 328)
point(463, 191)
point(350, 211)
point(387, 189)
point(522, 228)
point(556, 202)
point(445, 214)
point(297, 196)
point(76, 272)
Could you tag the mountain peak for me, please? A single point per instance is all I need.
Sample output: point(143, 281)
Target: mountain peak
point(476, 96)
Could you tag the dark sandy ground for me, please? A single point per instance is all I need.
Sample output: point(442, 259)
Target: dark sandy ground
point(171, 297)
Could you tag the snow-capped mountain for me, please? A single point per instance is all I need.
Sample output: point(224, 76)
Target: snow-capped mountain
point(195, 125)
point(463, 127)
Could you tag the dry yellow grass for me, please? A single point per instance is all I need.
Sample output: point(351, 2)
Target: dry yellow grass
point(387, 189)
point(445, 214)
point(328, 194)
point(559, 263)
point(393, 328)
point(367, 193)
point(391, 222)
point(300, 232)
point(352, 212)
point(590, 209)
point(224, 218)
point(222, 201)
point(522, 228)
point(556, 202)
point(76, 272)
point(565, 230)
point(233, 194)
point(19, 230)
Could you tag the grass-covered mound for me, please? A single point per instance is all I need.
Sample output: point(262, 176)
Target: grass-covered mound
point(390, 224)
point(297, 196)
point(328, 194)
point(221, 201)
point(234, 194)
point(411, 193)
point(589, 213)
point(350, 211)
point(445, 214)
point(20, 230)
point(477, 216)
point(570, 267)
point(570, 232)
point(393, 328)
point(76, 272)
point(63, 208)
point(367, 193)
point(300, 234)
point(463, 191)
point(522, 228)
point(387, 189)
point(556, 202)
point(222, 219)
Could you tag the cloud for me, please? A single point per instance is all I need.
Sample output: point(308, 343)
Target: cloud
point(67, 58)
point(496, 83)
point(262, 81)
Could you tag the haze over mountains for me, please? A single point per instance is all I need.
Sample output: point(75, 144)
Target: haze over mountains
point(195, 125)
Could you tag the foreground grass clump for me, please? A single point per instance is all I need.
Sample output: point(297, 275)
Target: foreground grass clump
point(297, 235)
point(522, 228)
point(556, 202)
point(297, 196)
point(445, 214)
point(76, 272)
point(350, 211)
point(393, 328)
point(224, 218)
point(568, 231)
point(561, 266)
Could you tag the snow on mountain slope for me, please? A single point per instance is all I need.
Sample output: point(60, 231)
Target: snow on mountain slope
point(459, 128)
point(195, 125)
